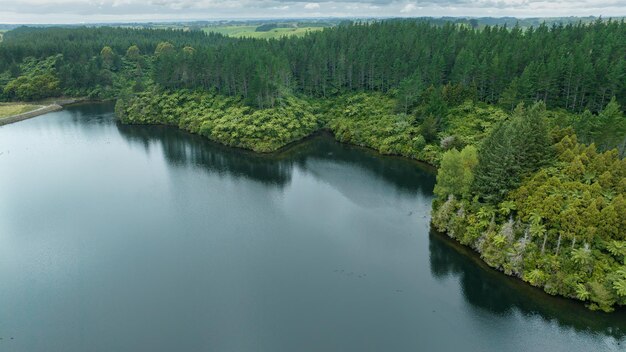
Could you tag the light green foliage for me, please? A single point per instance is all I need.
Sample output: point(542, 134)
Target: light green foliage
point(582, 293)
point(472, 123)
point(222, 119)
point(535, 277)
point(38, 80)
point(369, 120)
point(107, 56)
point(365, 119)
point(163, 48)
point(133, 52)
point(28, 88)
point(373, 120)
point(618, 250)
point(619, 282)
point(582, 256)
point(455, 175)
point(562, 228)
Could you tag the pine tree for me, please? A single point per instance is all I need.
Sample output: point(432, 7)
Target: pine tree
point(515, 148)
point(611, 131)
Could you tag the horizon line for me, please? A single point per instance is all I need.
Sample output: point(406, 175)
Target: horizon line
point(249, 19)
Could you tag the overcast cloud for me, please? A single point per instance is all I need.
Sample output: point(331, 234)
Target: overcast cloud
point(77, 11)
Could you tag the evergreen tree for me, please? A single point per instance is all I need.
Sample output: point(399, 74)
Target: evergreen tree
point(516, 148)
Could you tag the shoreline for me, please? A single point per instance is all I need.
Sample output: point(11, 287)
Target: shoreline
point(46, 107)
point(285, 148)
point(470, 252)
point(323, 131)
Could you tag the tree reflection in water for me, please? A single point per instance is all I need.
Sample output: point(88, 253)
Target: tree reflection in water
point(501, 295)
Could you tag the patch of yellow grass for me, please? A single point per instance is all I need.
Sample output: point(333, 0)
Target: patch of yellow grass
point(7, 110)
point(250, 31)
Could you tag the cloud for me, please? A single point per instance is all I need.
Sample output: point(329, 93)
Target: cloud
point(73, 11)
point(408, 8)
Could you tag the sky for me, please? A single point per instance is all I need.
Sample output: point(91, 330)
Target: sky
point(90, 11)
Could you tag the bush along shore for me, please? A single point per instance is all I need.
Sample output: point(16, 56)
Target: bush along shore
point(539, 205)
point(366, 119)
point(225, 120)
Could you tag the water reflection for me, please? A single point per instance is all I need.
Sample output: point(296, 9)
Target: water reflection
point(491, 291)
point(340, 165)
point(181, 148)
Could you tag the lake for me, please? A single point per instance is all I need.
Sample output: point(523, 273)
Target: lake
point(146, 238)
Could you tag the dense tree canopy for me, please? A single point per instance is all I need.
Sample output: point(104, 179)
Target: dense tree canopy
point(516, 148)
point(574, 66)
point(222, 119)
point(557, 223)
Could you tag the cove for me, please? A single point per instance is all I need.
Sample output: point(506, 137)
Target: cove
point(146, 238)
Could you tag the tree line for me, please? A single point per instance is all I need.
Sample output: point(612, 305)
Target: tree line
point(575, 66)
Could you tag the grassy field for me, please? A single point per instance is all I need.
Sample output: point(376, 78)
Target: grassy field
point(250, 31)
point(7, 110)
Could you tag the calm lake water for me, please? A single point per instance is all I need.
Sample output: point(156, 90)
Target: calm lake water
point(146, 238)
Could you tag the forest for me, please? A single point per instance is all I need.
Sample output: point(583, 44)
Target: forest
point(526, 124)
point(575, 66)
